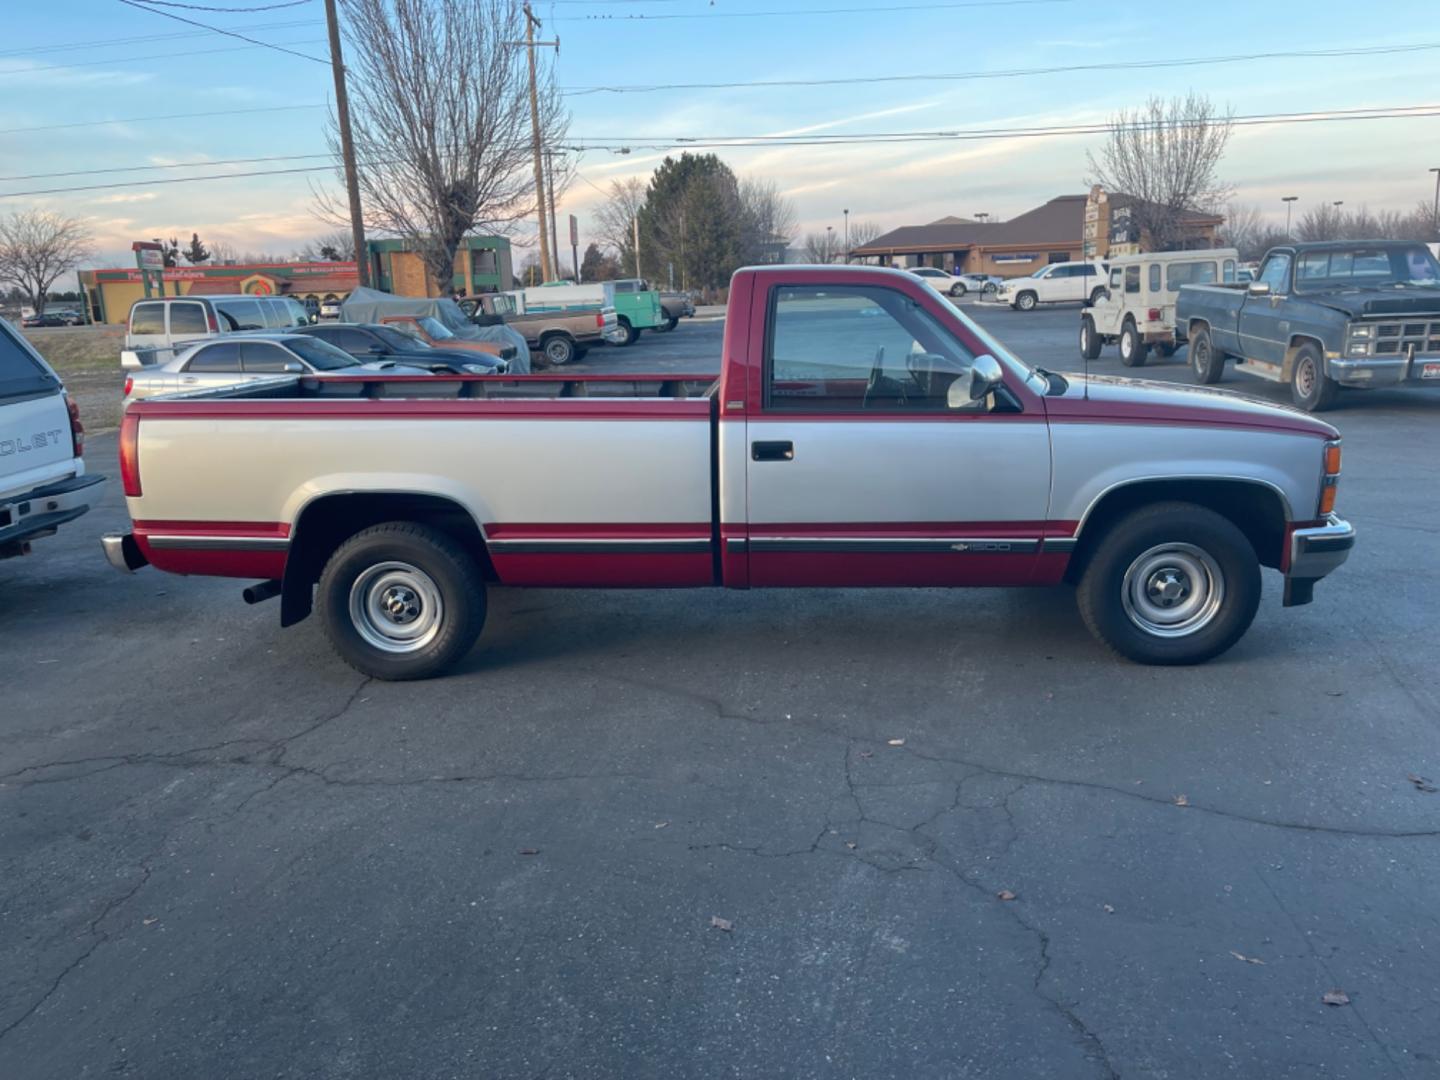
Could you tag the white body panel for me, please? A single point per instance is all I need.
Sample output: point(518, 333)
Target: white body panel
point(574, 471)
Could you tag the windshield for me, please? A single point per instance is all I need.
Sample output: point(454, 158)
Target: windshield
point(1031, 374)
point(320, 355)
point(1041, 272)
point(435, 328)
point(394, 339)
point(1363, 267)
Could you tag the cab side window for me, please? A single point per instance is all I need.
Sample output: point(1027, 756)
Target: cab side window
point(1117, 278)
point(1154, 277)
point(187, 319)
point(1132, 279)
point(859, 349)
point(147, 319)
point(1276, 271)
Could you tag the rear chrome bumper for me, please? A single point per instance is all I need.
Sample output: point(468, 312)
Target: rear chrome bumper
point(122, 552)
point(1314, 553)
point(40, 511)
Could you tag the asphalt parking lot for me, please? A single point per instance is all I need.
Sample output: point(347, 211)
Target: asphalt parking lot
point(731, 834)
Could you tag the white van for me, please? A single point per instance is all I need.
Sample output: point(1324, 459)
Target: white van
point(1137, 307)
point(162, 328)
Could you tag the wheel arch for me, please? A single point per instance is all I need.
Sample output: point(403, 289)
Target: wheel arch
point(327, 520)
point(1298, 341)
point(1258, 508)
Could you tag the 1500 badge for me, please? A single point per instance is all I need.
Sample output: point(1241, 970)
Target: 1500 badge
point(24, 444)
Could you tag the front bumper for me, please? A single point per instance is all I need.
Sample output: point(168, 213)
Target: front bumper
point(1372, 371)
point(1315, 552)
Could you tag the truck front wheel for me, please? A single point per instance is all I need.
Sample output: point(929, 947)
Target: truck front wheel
point(1026, 301)
point(401, 601)
point(1206, 364)
point(1171, 583)
point(1312, 389)
point(1089, 338)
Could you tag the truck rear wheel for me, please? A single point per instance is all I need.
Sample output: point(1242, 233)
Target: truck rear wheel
point(631, 334)
point(1311, 388)
point(401, 601)
point(558, 349)
point(1206, 364)
point(1171, 583)
point(1132, 350)
point(1089, 339)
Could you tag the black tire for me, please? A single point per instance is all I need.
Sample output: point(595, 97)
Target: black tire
point(1026, 301)
point(1097, 294)
point(1089, 339)
point(559, 349)
point(1311, 389)
point(413, 566)
point(631, 334)
point(1133, 350)
point(958, 289)
point(1206, 363)
point(1178, 546)
point(668, 325)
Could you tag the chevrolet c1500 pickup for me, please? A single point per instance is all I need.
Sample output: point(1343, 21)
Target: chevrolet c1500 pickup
point(862, 432)
point(1321, 316)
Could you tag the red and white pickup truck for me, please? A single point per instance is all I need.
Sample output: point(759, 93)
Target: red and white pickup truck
point(862, 432)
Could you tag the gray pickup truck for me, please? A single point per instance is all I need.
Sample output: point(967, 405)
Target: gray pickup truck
point(1321, 316)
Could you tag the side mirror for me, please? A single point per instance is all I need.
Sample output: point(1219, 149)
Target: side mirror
point(1258, 288)
point(985, 375)
point(294, 367)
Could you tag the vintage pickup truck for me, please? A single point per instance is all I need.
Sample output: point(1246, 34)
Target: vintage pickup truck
point(559, 335)
point(1321, 316)
point(862, 432)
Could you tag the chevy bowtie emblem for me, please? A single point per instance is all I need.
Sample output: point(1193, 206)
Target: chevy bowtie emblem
point(959, 547)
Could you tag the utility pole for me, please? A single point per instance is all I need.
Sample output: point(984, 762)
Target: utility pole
point(1436, 212)
point(531, 22)
point(846, 212)
point(347, 146)
point(554, 225)
point(636, 221)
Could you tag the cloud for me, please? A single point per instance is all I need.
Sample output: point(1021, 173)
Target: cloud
point(125, 197)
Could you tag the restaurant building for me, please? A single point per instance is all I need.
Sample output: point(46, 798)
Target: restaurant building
point(483, 264)
point(1065, 229)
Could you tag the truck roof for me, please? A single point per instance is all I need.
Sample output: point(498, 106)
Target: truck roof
point(1346, 245)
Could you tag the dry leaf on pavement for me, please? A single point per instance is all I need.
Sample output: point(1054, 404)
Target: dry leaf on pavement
point(1336, 997)
point(529, 851)
point(896, 742)
point(1182, 800)
point(1109, 910)
point(1247, 959)
point(718, 923)
point(1422, 783)
point(1005, 894)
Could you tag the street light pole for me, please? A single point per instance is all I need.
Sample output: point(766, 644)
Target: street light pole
point(846, 212)
point(1288, 200)
point(1436, 213)
point(829, 244)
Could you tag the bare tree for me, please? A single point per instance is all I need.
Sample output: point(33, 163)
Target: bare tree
point(863, 232)
point(769, 220)
point(221, 252)
point(338, 245)
point(615, 219)
point(1165, 156)
point(1325, 221)
point(824, 247)
point(440, 110)
point(38, 247)
point(1242, 229)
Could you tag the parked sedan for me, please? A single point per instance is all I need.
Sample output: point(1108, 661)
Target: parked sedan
point(47, 318)
point(940, 281)
point(330, 309)
point(241, 358)
point(984, 284)
point(376, 341)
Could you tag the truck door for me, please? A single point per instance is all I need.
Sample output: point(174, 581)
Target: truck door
point(1264, 327)
point(858, 471)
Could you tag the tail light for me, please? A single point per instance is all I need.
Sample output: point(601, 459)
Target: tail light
point(210, 321)
point(130, 454)
point(129, 385)
point(1330, 484)
point(77, 429)
point(1154, 314)
point(600, 321)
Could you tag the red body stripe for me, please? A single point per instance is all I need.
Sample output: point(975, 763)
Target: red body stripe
point(260, 565)
point(264, 529)
point(619, 570)
point(608, 531)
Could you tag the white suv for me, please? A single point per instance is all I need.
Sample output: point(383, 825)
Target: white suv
point(1058, 283)
point(43, 483)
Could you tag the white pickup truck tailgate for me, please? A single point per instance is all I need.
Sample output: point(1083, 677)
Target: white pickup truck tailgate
point(35, 441)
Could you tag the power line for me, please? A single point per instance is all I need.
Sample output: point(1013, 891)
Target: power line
point(173, 165)
point(140, 38)
point(228, 33)
point(153, 56)
point(805, 12)
point(1010, 73)
point(225, 10)
point(165, 116)
point(1399, 112)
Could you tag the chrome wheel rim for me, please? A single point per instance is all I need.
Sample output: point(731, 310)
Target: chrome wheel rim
point(1084, 337)
point(1173, 590)
point(558, 352)
point(1127, 344)
point(1199, 355)
point(1305, 377)
point(396, 607)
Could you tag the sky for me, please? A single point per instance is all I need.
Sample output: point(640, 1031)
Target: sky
point(77, 62)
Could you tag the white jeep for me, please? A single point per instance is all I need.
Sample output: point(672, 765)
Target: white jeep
point(1137, 306)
